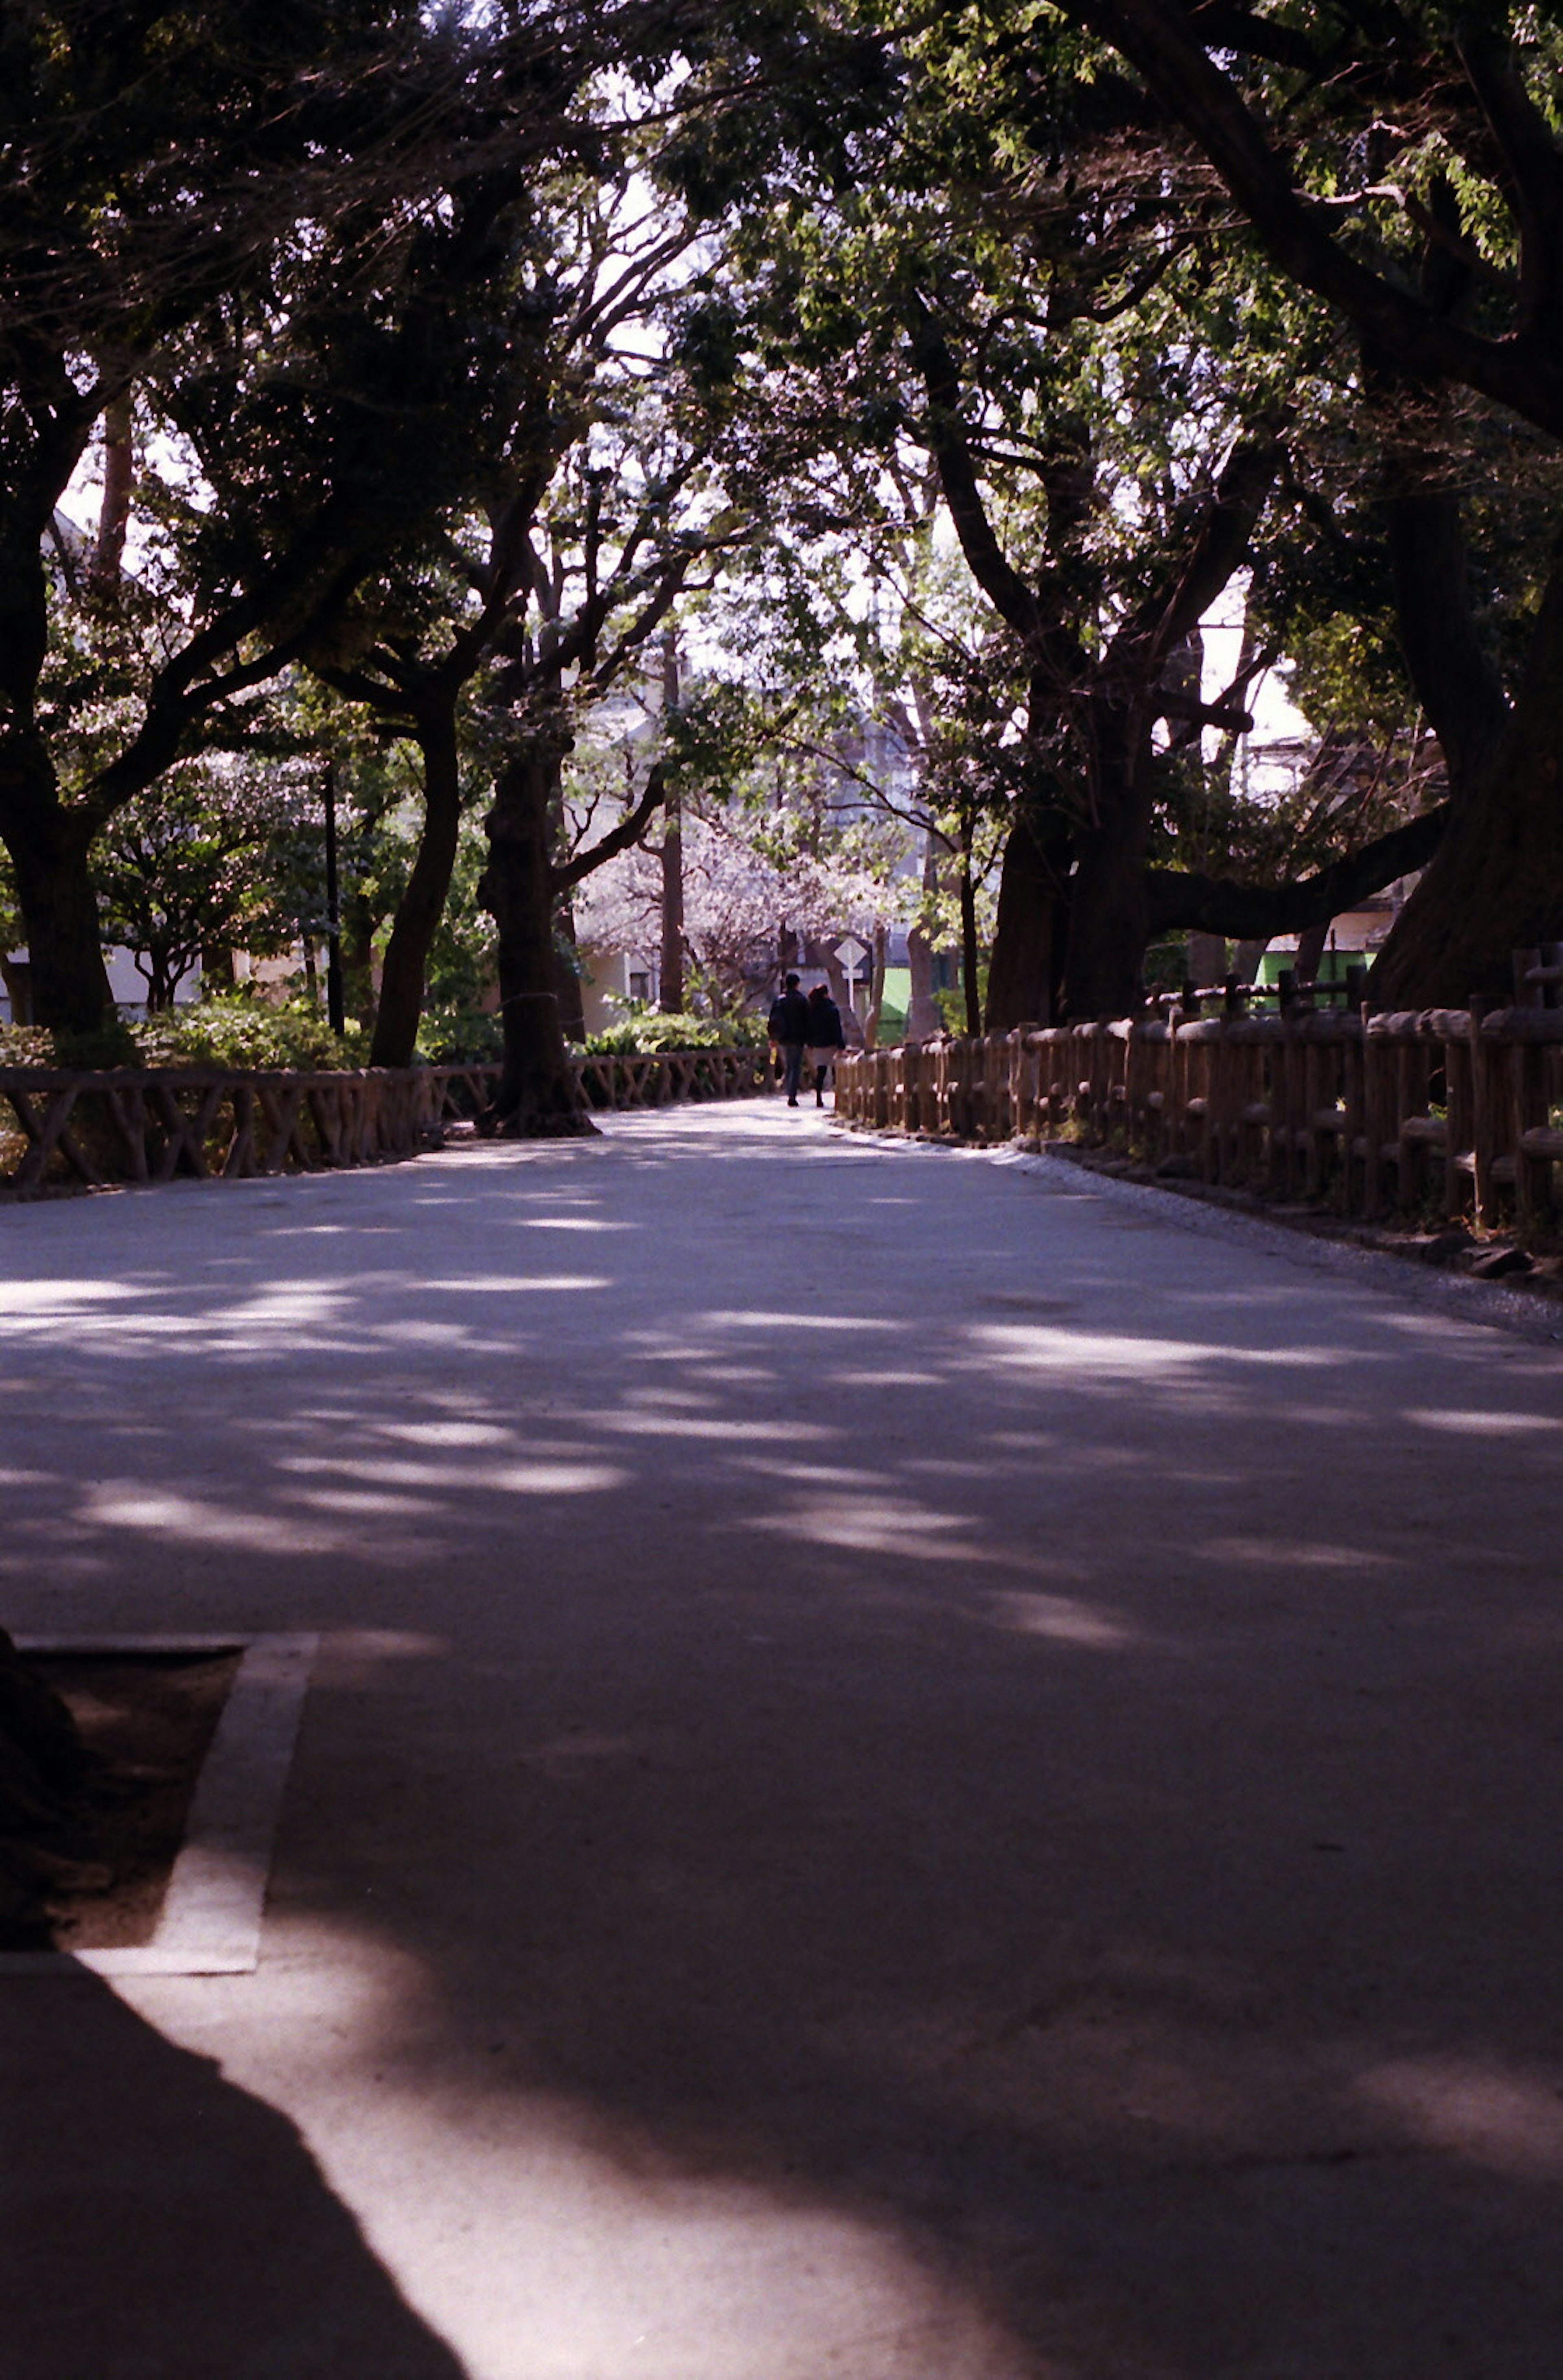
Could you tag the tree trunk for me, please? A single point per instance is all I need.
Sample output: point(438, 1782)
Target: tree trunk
point(876, 985)
point(157, 972)
point(671, 995)
point(670, 980)
point(971, 950)
point(1312, 944)
point(539, 1096)
point(59, 907)
point(1109, 927)
point(924, 1018)
point(114, 515)
point(1494, 885)
point(1031, 912)
point(1207, 958)
point(400, 1010)
point(567, 975)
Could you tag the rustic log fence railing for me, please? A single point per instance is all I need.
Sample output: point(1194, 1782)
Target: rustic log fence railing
point(1449, 1112)
point(61, 1126)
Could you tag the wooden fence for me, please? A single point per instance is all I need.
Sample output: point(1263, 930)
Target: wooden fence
point(1449, 1112)
point(59, 1126)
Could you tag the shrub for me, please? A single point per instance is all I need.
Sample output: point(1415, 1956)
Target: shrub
point(231, 1030)
point(646, 1031)
point(460, 1037)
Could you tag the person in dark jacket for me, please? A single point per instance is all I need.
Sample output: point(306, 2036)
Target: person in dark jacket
point(787, 1026)
point(826, 1038)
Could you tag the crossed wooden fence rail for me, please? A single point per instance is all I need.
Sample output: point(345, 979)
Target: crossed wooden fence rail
point(60, 1125)
point(1448, 1111)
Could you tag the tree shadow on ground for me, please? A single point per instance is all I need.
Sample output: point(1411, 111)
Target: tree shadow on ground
point(158, 2224)
point(968, 1791)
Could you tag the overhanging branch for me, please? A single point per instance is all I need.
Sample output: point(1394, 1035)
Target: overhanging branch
point(628, 831)
point(1207, 904)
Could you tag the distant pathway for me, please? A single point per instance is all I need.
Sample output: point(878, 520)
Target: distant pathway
point(918, 1772)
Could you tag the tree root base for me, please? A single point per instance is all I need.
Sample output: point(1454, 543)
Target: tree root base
point(523, 1124)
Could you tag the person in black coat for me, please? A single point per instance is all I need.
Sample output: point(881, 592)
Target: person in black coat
point(787, 1026)
point(826, 1037)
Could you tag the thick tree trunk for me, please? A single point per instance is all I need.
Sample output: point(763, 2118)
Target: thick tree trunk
point(59, 907)
point(1109, 927)
point(539, 1096)
point(1495, 883)
point(1495, 886)
point(1109, 907)
point(421, 906)
point(1026, 937)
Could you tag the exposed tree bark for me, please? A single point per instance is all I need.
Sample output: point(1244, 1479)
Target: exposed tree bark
point(623, 837)
point(1453, 676)
point(539, 1096)
point(1029, 934)
point(1495, 883)
point(421, 906)
point(48, 844)
point(1310, 946)
point(1110, 926)
point(114, 516)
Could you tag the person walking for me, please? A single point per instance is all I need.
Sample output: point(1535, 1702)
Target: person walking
point(787, 1026)
point(826, 1037)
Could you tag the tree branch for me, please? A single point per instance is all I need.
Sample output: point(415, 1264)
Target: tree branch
point(622, 837)
point(1524, 371)
point(1208, 904)
point(1002, 583)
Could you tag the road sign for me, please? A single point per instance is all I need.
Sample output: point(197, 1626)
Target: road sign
point(851, 953)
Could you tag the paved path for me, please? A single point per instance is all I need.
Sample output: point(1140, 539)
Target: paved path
point(917, 1773)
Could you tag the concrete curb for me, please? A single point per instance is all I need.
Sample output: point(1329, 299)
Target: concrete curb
point(211, 1921)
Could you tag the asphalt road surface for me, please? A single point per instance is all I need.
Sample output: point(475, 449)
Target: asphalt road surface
point(919, 1769)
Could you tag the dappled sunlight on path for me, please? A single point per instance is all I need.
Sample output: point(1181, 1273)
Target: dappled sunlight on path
point(913, 1772)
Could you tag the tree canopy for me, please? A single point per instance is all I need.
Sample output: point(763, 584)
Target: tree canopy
point(940, 371)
